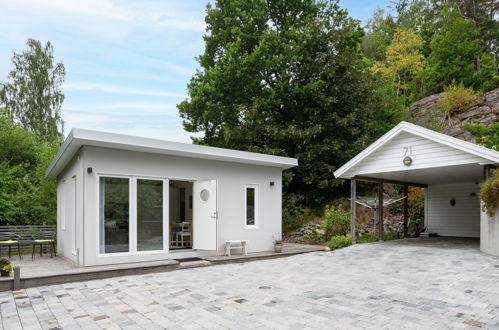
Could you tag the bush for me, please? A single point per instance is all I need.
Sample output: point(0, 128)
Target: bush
point(338, 242)
point(292, 220)
point(391, 235)
point(457, 98)
point(336, 222)
point(367, 238)
point(485, 136)
point(26, 197)
point(489, 193)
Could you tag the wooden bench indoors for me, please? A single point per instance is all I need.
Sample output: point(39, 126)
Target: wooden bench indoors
point(239, 244)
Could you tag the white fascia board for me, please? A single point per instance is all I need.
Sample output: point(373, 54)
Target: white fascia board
point(81, 137)
point(403, 126)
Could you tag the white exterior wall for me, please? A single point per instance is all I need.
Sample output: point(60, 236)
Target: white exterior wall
point(425, 153)
point(69, 210)
point(231, 180)
point(489, 238)
point(461, 220)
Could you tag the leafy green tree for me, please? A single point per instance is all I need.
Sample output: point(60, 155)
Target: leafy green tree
point(26, 197)
point(286, 78)
point(455, 49)
point(32, 94)
point(403, 61)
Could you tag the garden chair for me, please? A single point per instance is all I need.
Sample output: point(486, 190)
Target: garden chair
point(44, 237)
point(9, 239)
point(184, 233)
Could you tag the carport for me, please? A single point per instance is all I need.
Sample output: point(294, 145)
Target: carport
point(450, 169)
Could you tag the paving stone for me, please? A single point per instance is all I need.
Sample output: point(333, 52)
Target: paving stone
point(411, 284)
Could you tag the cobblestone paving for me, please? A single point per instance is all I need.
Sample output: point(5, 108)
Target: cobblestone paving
point(407, 284)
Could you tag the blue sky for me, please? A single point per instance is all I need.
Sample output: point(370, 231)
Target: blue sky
point(128, 62)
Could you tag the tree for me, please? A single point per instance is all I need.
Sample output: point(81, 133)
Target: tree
point(285, 78)
point(403, 60)
point(26, 197)
point(32, 94)
point(455, 49)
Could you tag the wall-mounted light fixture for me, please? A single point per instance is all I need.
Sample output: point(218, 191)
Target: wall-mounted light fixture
point(89, 170)
point(407, 161)
point(272, 183)
point(452, 201)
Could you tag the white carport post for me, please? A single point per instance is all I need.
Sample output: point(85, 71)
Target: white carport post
point(353, 198)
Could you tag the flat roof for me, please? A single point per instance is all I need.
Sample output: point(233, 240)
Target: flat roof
point(84, 137)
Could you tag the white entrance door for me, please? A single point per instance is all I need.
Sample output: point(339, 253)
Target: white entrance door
point(204, 215)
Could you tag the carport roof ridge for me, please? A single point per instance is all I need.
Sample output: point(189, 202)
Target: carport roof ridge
point(84, 137)
point(472, 148)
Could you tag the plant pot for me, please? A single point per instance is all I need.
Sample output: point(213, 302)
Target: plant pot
point(278, 248)
point(4, 273)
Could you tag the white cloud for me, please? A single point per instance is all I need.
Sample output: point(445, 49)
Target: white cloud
point(158, 15)
point(136, 106)
point(83, 86)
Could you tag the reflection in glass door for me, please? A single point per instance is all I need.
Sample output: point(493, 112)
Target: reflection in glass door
point(114, 214)
point(149, 215)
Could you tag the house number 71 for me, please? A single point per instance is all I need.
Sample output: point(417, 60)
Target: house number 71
point(408, 151)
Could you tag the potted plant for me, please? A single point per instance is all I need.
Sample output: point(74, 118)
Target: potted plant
point(277, 243)
point(5, 267)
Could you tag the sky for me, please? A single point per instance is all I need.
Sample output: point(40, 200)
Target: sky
point(127, 62)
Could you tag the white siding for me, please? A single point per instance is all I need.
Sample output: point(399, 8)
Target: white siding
point(460, 220)
point(489, 239)
point(231, 180)
point(69, 210)
point(425, 153)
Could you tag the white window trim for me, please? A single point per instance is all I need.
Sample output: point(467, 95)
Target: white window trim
point(257, 206)
point(166, 213)
point(63, 207)
point(74, 215)
point(132, 208)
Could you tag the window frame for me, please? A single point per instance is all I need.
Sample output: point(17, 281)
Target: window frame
point(256, 206)
point(132, 209)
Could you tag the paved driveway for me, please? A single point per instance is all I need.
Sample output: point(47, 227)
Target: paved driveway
point(415, 284)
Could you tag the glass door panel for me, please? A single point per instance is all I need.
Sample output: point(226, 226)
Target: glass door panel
point(149, 215)
point(114, 215)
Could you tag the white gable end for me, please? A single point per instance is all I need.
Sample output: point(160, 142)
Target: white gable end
point(424, 152)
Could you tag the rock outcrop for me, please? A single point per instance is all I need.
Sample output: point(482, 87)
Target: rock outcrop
point(426, 113)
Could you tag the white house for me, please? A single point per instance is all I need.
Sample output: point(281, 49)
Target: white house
point(127, 199)
point(450, 169)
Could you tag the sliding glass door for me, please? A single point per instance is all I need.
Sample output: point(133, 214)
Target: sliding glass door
point(114, 216)
point(149, 215)
point(131, 215)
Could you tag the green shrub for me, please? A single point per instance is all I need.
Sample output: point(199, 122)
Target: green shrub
point(489, 193)
point(457, 98)
point(26, 197)
point(338, 242)
point(294, 219)
point(391, 235)
point(485, 136)
point(367, 238)
point(336, 222)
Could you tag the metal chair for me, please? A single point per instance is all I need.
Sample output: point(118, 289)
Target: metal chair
point(44, 237)
point(9, 239)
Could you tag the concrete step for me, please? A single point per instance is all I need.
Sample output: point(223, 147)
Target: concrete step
point(193, 264)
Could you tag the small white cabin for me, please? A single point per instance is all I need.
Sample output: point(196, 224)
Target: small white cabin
point(125, 199)
point(450, 169)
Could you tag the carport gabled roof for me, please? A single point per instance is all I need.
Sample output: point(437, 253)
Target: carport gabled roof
point(489, 155)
